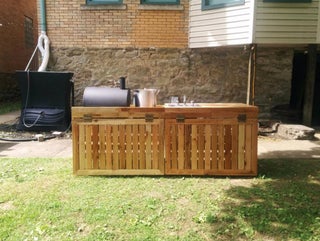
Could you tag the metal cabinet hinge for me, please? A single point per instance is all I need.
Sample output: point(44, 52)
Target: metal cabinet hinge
point(87, 117)
point(149, 118)
point(242, 118)
point(180, 118)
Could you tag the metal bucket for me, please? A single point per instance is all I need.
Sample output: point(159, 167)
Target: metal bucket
point(146, 97)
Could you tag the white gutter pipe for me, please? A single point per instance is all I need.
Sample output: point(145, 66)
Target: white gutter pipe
point(43, 46)
point(43, 40)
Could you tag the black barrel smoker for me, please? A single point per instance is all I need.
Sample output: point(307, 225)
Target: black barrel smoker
point(106, 96)
point(46, 100)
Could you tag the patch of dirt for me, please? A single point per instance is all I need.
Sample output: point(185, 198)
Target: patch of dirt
point(9, 132)
point(7, 206)
point(241, 182)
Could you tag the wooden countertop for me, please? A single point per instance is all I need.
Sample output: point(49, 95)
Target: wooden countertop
point(201, 110)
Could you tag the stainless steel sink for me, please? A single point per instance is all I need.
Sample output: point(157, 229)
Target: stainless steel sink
point(181, 105)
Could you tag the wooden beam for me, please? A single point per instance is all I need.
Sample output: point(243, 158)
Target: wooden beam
point(309, 84)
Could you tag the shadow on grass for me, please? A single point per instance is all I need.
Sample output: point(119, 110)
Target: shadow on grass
point(282, 204)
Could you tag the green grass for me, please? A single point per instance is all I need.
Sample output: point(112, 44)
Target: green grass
point(40, 199)
point(9, 106)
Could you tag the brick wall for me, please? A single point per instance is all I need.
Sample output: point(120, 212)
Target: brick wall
point(72, 24)
point(13, 52)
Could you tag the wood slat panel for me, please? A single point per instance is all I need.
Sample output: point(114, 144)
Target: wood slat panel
point(248, 157)
point(122, 147)
point(181, 145)
point(161, 147)
point(188, 147)
point(115, 141)
point(201, 146)
point(88, 143)
point(214, 155)
point(208, 145)
point(194, 147)
point(142, 147)
point(148, 146)
point(95, 146)
point(102, 147)
point(254, 148)
point(128, 137)
point(135, 143)
point(214, 146)
point(173, 148)
point(235, 140)
point(227, 147)
point(82, 147)
point(75, 147)
point(241, 146)
point(109, 147)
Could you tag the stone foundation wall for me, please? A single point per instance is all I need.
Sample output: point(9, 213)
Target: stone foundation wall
point(273, 81)
point(203, 75)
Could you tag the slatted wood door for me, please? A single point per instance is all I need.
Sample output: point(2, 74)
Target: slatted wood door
point(211, 147)
point(118, 147)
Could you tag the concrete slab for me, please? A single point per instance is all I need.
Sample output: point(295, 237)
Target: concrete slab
point(54, 148)
point(279, 148)
point(59, 147)
point(9, 117)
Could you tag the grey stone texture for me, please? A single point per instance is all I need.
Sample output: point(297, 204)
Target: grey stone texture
point(295, 132)
point(203, 75)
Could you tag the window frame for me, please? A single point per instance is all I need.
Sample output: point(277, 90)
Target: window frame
point(103, 2)
point(221, 5)
point(287, 1)
point(177, 2)
point(28, 32)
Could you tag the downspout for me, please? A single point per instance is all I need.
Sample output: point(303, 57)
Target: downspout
point(43, 40)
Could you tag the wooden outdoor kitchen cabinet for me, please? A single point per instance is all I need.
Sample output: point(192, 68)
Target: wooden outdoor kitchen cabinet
point(212, 139)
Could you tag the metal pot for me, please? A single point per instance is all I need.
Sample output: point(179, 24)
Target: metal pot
point(146, 97)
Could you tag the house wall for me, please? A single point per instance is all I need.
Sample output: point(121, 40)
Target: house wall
point(255, 22)
point(221, 26)
point(286, 23)
point(100, 45)
point(14, 54)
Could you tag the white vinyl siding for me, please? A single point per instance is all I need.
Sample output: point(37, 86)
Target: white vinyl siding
point(219, 27)
point(286, 23)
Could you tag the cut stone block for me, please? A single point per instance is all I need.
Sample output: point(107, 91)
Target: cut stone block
point(295, 132)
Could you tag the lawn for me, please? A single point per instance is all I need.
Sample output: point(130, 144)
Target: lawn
point(9, 106)
point(40, 199)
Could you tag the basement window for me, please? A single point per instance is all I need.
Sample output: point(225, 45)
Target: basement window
point(160, 1)
point(211, 4)
point(28, 32)
point(99, 2)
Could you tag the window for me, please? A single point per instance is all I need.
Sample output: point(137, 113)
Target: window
point(28, 32)
point(160, 1)
point(209, 4)
point(95, 2)
point(288, 1)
